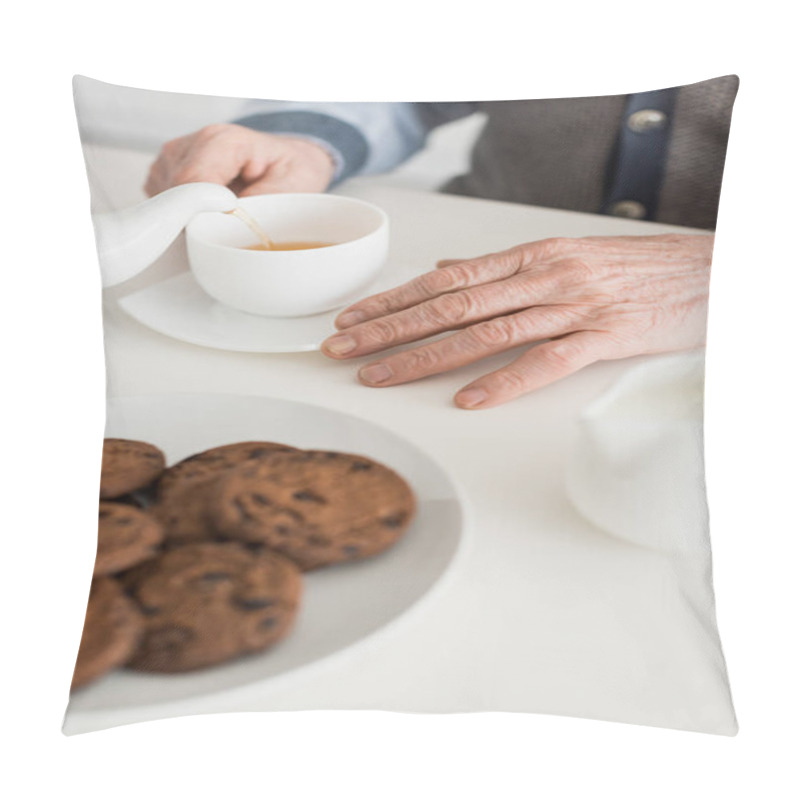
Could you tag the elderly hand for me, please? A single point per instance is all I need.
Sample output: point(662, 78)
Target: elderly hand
point(594, 299)
point(248, 161)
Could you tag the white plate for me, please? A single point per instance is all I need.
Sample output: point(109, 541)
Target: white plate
point(179, 308)
point(341, 605)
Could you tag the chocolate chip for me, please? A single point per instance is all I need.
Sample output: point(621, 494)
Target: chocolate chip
point(261, 451)
point(209, 580)
point(253, 603)
point(351, 550)
point(360, 466)
point(260, 499)
point(318, 541)
point(269, 622)
point(395, 520)
point(244, 513)
point(168, 638)
point(306, 495)
point(213, 578)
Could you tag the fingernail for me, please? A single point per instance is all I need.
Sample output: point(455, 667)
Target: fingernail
point(470, 398)
point(350, 318)
point(375, 373)
point(339, 345)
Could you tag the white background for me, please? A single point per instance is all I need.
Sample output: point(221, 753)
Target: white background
point(53, 373)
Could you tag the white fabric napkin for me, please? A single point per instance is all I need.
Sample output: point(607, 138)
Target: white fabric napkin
point(636, 470)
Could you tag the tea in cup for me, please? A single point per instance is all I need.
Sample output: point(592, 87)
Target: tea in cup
point(325, 250)
point(289, 246)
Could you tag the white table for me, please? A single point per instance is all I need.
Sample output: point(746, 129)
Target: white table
point(544, 613)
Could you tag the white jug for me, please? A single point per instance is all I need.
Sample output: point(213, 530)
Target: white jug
point(636, 467)
point(130, 240)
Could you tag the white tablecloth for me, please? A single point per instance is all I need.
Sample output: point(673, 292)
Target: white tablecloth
point(545, 613)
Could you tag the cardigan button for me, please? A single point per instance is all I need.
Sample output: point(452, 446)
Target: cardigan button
point(631, 209)
point(647, 119)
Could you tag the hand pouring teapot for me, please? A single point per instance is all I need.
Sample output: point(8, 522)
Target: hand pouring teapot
point(130, 240)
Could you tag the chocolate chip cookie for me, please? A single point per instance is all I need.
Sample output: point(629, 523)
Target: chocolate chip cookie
point(110, 633)
point(128, 465)
point(126, 535)
point(207, 603)
point(183, 488)
point(316, 507)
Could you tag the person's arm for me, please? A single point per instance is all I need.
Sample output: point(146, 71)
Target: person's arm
point(294, 147)
point(362, 138)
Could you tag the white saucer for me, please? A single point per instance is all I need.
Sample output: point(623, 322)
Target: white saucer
point(179, 308)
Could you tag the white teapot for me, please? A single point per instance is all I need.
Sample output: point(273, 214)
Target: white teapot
point(130, 240)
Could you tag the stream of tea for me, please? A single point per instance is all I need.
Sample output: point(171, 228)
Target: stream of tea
point(241, 214)
point(265, 243)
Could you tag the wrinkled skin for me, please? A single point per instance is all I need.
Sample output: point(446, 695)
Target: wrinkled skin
point(590, 299)
point(247, 161)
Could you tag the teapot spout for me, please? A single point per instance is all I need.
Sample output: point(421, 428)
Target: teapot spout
point(130, 240)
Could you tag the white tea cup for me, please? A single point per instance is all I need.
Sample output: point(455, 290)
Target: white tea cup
point(290, 283)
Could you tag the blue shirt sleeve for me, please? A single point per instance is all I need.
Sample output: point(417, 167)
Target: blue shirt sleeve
point(362, 138)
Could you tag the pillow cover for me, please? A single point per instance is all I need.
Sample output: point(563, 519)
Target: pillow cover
point(404, 406)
